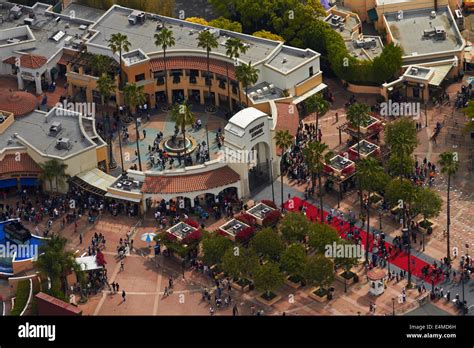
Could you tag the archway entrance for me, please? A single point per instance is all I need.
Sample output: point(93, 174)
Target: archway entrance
point(259, 168)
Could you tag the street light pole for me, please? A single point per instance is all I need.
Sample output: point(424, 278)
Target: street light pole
point(112, 163)
point(271, 178)
point(208, 145)
point(138, 143)
point(393, 306)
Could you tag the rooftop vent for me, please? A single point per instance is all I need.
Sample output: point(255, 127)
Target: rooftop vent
point(63, 144)
point(433, 14)
point(83, 27)
point(28, 21)
point(55, 128)
point(414, 71)
point(16, 11)
point(284, 60)
point(58, 36)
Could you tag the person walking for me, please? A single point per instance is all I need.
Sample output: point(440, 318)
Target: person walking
point(124, 296)
point(117, 287)
point(235, 311)
point(122, 268)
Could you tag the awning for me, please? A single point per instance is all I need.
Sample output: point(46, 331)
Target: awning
point(88, 263)
point(29, 182)
point(308, 94)
point(8, 183)
point(123, 198)
point(440, 74)
point(373, 16)
point(97, 178)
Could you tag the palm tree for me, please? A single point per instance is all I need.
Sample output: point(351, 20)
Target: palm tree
point(449, 165)
point(247, 75)
point(358, 115)
point(100, 64)
point(283, 140)
point(165, 39)
point(182, 115)
point(47, 174)
point(134, 96)
point(315, 157)
point(208, 41)
point(106, 86)
point(401, 137)
point(372, 178)
point(119, 43)
point(56, 263)
point(317, 104)
point(234, 47)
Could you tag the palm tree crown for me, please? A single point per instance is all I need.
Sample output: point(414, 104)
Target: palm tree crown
point(247, 75)
point(119, 43)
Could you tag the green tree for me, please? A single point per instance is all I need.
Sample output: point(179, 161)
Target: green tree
point(247, 75)
point(47, 174)
point(268, 278)
point(388, 64)
point(214, 247)
point(427, 203)
point(183, 116)
point(165, 39)
point(240, 262)
point(53, 169)
point(265, 34)
point(315, 156)
point(293, 259)
point(208, 41)
point(318, 105)
point(469, 112)
point(134, 95)
point(320, 236)
point(449, 166)
point(234, 47)
point(294, 227)
point(346, 261)
point(401, 137)
point(55, 262)
point(100, 64)
point(372, 178)
point(226, 24)
point(268, 243)
point(283, 139)
point(319, 270)
point(119, 43)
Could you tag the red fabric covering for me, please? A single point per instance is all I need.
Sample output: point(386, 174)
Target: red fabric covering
point(400, 260)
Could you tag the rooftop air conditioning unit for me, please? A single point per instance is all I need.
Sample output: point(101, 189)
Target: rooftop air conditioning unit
point(28, 21)
point(265, 210)
point(136, 17)
point(83, 27)
point(186, 229)
point(237, 226)
point(136, 183)
point(55, 128)
point(414, 71)
point(63, 144)
point(433, 14)
point(344, 161)
point(17, 11)
point(370, 145)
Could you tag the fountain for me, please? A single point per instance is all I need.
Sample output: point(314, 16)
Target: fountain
point(174, 145)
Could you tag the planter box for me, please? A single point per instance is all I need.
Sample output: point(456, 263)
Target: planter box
point(268, 302)
point(294, 285)
point(343, 280)
point(378, 203)
point(425, 229)
point(321, 299)
point(239, 287)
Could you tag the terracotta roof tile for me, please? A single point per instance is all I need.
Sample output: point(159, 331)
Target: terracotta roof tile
point(17, 102)
point(10, 60)
point(193, 63)
point(10, 164)
point(190, 183)
point(31, 61)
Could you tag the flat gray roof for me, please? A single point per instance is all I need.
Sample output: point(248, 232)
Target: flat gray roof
point(408, 32)
point(43, 28)
point(185, 33)
point(35, 131)
point(83, 12)
point(289, 58)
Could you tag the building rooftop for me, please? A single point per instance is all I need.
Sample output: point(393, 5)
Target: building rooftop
point(265, 91)
point(33, 129)
point(411, 29)
point(83, 12)
point(141, 35)
point(44, 27)
point(289, 58)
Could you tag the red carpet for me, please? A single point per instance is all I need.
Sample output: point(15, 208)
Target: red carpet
point(400, 260)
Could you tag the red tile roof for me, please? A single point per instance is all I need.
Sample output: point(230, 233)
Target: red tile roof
point(193, 63)
point(31, 61)
point(288, 119)
point(190, 183)
point(21, 163)
point(17, 102)
point(10, 60)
